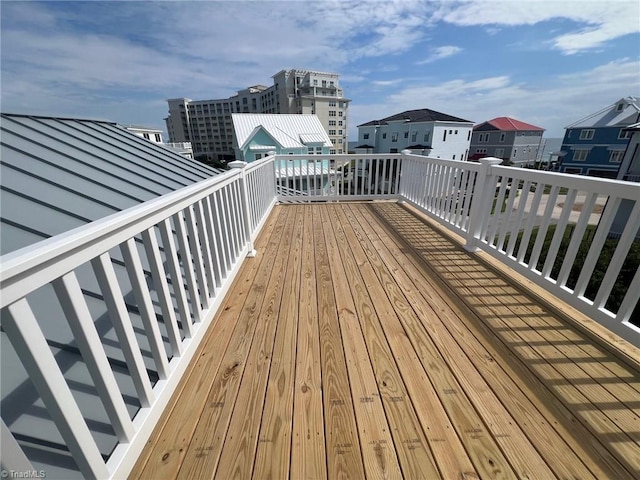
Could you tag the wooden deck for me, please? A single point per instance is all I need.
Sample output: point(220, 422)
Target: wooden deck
point(362, 343)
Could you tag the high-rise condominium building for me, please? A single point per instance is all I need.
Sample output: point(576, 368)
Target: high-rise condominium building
point(207, 123)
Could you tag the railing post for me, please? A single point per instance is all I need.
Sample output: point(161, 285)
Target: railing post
point(481, 202)
point(403, 177)
point(245, 200)
point(272, 153)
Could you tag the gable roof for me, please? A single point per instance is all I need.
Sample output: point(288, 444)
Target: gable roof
point(623, 112)
point(415, 116)
point(60, 173)
point(288, 130)
point(507, 124)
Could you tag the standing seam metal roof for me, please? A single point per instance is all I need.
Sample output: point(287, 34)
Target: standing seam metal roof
point(288, 130)
point(57, 174)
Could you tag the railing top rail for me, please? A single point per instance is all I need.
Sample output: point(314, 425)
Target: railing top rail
point(605, 186)
point(259, 163)
point(339, 156)
point(35, 265)
point(473, 166)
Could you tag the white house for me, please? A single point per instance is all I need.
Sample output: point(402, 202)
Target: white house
point(424, 132)
point(155, 135)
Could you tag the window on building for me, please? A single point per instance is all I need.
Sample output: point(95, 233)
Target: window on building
point(414, 136)
point(332, 151)
point(384, 135)
point(339, 114)
point(158, 137)
point(481, 150)
point(580, 155)
point(620, 107)
point(332, 103)
point(332, 123)
point(394, 137)
point(616, 156)
point(454, 157)
point(469, 135)
point(333, 132)
point(310, 150)
point(624, 134)
point(365, 136)
point(515, 152)
point(455, 132)
point(502, 136)
point(586, 134)
point(499, 152)
point(340, 122)
point(332, 113)
point(146, 135)
point(444, 136)
point(339, 132)
point(427, 137)
point(315, 82)
point(406, 134)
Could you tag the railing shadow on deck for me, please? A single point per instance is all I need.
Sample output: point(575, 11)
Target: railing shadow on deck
point(562, 365)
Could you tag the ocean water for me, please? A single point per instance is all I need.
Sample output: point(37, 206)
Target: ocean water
point(549, 146)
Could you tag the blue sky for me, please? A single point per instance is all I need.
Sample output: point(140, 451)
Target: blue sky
point(544, 62)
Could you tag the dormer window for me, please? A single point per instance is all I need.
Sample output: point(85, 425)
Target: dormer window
point(619, 107)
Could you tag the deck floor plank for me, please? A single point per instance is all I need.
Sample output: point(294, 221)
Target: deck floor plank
point(362, 342)
point(384, 334)
point(379, 456)
point(168, 445)
point(498, 421)
point(308, 461)
point(274, 442)
point(202, 457)
point(343, 445)
point(237, 456)
point(622, 457)
point(503, 409)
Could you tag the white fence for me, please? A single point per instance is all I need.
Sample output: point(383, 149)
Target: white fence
point(178, 254)
point(583, 225)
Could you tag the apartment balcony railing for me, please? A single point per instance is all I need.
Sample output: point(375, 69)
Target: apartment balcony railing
point(177, 256)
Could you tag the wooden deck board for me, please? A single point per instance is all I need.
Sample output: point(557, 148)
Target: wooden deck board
point(363, 343)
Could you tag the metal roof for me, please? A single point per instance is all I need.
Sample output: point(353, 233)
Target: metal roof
point(622, 113)
point(288, 130)
point(59, 173)
point(507, 124)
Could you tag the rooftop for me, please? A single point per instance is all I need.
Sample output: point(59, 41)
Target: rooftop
point(60, 173)
point(506, 124)
point(416, 116)
point(363, 342)
point(288, 130)
point(622, 113)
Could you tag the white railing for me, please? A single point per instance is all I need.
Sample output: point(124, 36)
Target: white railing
point(178, 255)
point(337, 177)
point(561, 231)
point(161, 269)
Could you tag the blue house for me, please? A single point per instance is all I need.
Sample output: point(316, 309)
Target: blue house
point(258, 134)
point(596, 144)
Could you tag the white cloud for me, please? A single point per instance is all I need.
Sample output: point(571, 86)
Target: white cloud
point(601, 21)
point(439, 53)
point(563, 99)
